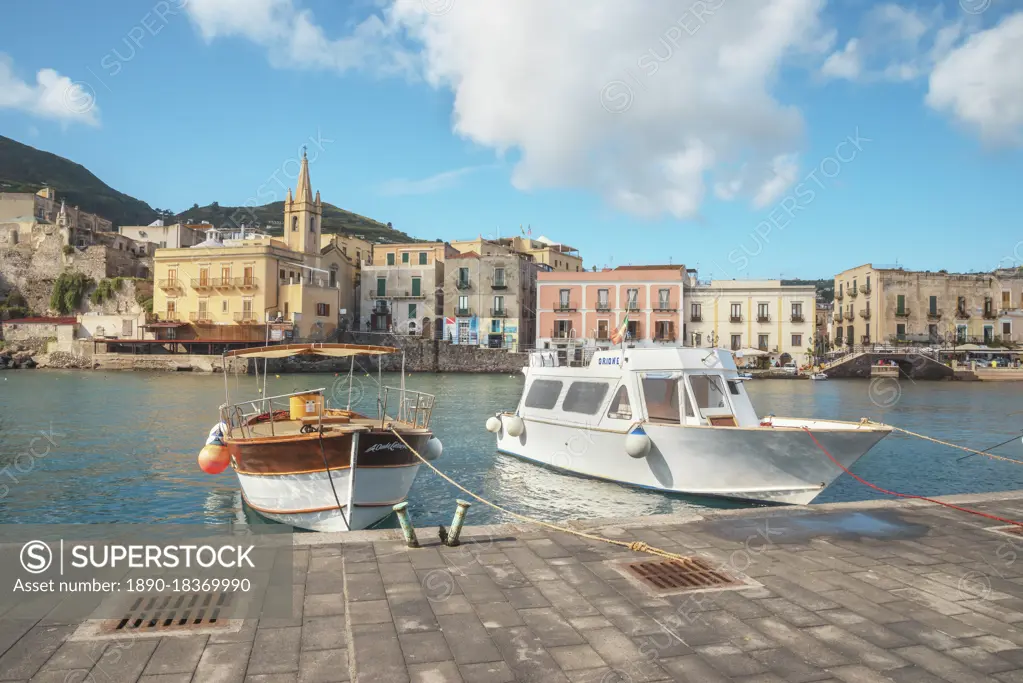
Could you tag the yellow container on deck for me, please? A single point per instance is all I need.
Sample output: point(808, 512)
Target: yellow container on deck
point(306, 405)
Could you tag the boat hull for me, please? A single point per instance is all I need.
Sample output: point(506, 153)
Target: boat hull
point(779, 464)
point(285, 480)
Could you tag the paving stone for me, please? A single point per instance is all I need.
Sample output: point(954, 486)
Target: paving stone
point(435, 672)
point(323, 633)
point(550, 627)
point(692, 669)
point(176, 655)
point(486, 672)
point(76, 655)
point(498, 615)
point(855, 648)
point(378, 656)
point(64, 676)
point(223, 662)
point(787, 665)
point(856, 673)
point(125, 660)
point(467, 639)
point(28, 654)
point(420, 648)
point(809, 648)
point(940, 665)
point(323, 604)
point(276, 650)
point(792, 613)
point(572, 657)
point(323, 666)
point(523, 598)
point(364, 587)
point(730, 660)
point(981, 660)
point(526, 656)
point(369, 612)
point(166, 678)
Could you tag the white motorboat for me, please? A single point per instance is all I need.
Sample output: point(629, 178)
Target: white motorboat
point(304, 463)
point(818, 376)
point(676, 420)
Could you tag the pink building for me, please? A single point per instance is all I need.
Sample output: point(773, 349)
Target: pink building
point(586, 307)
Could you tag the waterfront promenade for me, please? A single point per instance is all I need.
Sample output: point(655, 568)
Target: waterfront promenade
point(902, 591)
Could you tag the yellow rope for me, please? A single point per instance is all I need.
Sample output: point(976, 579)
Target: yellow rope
point(943, 443)
point(637, 546)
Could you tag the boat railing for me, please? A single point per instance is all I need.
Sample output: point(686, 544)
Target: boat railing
point(415, 408)
point(238, 415)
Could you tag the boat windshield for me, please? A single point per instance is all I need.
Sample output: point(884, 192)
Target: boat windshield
point(661, 394)
point(708, 392)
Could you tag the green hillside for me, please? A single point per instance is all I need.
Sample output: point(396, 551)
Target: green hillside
point(27, 169)
point(825, 288)
point(270, 217)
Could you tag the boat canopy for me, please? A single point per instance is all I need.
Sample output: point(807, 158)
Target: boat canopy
point(334, 350)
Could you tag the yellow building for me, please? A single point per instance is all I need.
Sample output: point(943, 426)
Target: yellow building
point(543, 250)
point(229, 286)
point(403, 288)
point(883, 305)
point(354, 247)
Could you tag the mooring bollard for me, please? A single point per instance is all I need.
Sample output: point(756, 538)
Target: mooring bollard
point(401, 509)
point(456, 523)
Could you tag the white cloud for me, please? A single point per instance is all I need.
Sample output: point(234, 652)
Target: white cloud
point(844, 63)
point(52, 96)
point(435, 183)
point(293, 39)
point(643, 103)
point(980, 85)
point(896, 44)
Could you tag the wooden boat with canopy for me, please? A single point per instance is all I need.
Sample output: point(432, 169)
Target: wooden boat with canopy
point(309, 460)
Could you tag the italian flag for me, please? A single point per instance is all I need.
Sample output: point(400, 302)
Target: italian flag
point(618, 335)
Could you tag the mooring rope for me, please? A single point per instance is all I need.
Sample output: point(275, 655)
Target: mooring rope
point(636, 546)
point(943, 443)
point(912, 495)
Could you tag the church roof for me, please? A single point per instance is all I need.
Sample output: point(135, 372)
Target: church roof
point(304, 191)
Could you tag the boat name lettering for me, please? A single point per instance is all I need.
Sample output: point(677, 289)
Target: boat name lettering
point(614, 360)
point(393, 446)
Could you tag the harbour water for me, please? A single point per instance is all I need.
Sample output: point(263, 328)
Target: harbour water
point(103, 447)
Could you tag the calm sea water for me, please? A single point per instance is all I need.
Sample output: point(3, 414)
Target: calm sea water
point(90, 447)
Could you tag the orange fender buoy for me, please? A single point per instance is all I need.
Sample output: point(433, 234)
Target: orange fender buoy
point(214, 459)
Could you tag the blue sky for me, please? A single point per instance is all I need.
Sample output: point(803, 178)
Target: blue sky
point(711, 136)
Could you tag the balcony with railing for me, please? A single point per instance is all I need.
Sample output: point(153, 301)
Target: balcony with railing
point(902, 313)
point(246, 283)
point(696, 318)
point(865, 313)
point(853, 292)
point(563, 333)
point(499, 284)
point(632, 306)
point(962, 313)
point(499, 312)
point(603, 307)
point(735, 318)
point(849, 316)
point(865, 290)
point(763, 318)
point(381, 309)
point(246, 318)
point(798, 318)
point(405, 294)
point(202, 283)
point(462, 284)
point(169, 284)
point(934, 314)
point(665, 338)
point(224, 283)
point(837, 316)
point(990, 313)
point(839, 295)
point(169, 316)
point(200, 317)
point(665, 307)
point(463, 313)
point(566, 307)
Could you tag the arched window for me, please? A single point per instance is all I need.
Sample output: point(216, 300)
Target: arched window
point(294, 223)
point(333, 276)
point(312, 224)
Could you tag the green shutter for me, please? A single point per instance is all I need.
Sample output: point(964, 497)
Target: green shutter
point(416, 288)
point(422, 258)
point(404, 257)
point(381, 286)
point(900, 305)
point(390, 259)
point(411, 311)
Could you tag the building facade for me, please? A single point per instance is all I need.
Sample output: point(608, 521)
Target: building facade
point(176, 236)
point(758, 314)
point(893, 305)
point(489, 299)
point(231, 285)
point(587, 307)
point(402, 288)
point(544, 251)
point(44, 207)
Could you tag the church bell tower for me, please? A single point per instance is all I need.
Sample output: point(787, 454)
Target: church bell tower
point(303, 214)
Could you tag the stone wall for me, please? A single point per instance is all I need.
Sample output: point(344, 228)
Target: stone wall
point(910, 365)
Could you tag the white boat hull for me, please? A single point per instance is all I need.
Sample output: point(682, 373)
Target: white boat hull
point(307, 501)
point(779, 464)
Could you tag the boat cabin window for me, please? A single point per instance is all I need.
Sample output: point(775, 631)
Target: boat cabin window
point(661, 396)
point(733, 386)
point(620, 408)
point(584, 397)
point(708, 391)
point(543, 393)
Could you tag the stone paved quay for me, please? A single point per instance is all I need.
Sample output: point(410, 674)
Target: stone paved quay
point(899, 591)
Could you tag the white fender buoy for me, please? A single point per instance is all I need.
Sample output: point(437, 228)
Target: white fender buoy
point(493, 425)
point(637, 443)
point(514, 425)
point(433, 449)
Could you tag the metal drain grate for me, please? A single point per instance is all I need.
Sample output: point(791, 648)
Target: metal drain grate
point(173, 613)
point(689, 573)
